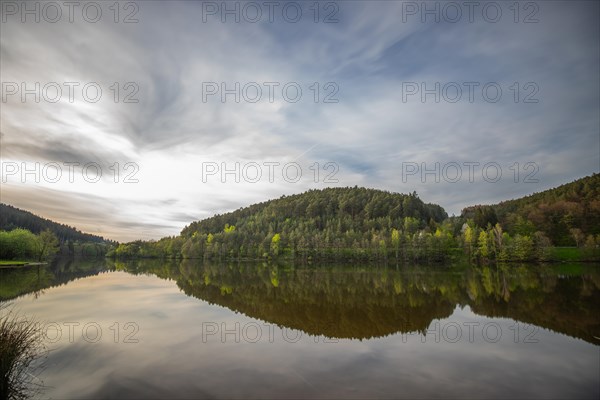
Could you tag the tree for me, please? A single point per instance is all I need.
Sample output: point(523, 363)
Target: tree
point(18, 244)
point(411, 225)
point(469, 234)
point(382, 248)
point(396, 240)
point(483, 246)
point(275, 244)
point(542, 245)
point(229, 229)
point(592, 247)
point(209, 245)
point(523, 226)
point(578, 236)
point(523, 248)
point(498, 236)
point(485, 215)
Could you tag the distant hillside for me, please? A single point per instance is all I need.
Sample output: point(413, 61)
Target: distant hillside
point(329, 223)
point(12, 217)
point(566, 214)
point(361, 224)
point(335, 223)
point(331, 209)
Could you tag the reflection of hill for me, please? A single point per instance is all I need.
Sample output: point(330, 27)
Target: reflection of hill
point(364, 303)
point(566, 304)
point(355, 302)
point(15, 282)
point(346, 304)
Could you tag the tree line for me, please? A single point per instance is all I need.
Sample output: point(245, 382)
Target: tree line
point(21, 244)
point(567, 215)
point(358, 224)
point(13, 218)
point(336, 223)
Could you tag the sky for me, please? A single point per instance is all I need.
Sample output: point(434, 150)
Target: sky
point(132, 119)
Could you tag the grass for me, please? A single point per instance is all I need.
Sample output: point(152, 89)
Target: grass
point(21, 343)
point(566, 254)
point(11, 262)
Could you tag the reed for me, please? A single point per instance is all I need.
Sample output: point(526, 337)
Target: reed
point(21, 347)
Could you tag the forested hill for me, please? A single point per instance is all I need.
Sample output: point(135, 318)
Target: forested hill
point(315, 223)
point(566, 214)
point(12, 217)
point(331, 210)
point(367, 224)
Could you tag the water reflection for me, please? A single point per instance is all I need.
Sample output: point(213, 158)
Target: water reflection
point(15, 282)
point(367, 302)
point(361, 302)
point(310, 318)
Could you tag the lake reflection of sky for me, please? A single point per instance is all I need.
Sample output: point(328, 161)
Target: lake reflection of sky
point(174, 359)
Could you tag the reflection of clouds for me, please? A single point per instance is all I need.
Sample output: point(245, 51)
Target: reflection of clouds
point(172, 360)
point(368, 54)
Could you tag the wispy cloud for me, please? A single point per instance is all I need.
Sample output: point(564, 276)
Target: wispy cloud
point(165, 60)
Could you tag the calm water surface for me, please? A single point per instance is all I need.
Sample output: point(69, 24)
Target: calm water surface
point(187, 330)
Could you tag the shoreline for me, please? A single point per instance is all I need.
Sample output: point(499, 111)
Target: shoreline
point(18, 264)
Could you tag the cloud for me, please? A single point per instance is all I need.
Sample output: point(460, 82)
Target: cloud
point(166, 59)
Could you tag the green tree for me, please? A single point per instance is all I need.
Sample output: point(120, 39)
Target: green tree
point(470, 236)
point(228, 228)
point(396, 240)
point(411, 225)
point(47, 244)
point(483, 245)
point(523, 249)
point(275, 244)
point(18, 244)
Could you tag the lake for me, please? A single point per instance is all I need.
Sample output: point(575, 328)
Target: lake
point(156, 329)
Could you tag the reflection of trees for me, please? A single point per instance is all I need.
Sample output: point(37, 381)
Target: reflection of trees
point(341, 303)
point(355, 302)
point(562, 302)
point(15, 282)
point(360, 302)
